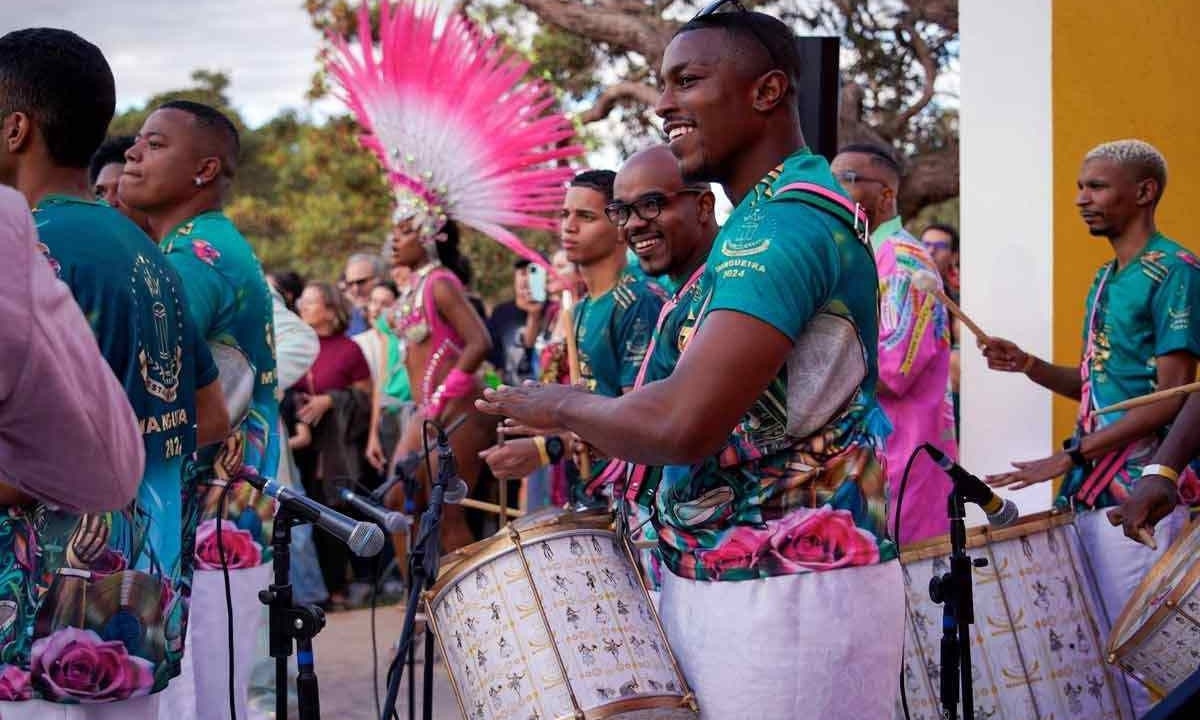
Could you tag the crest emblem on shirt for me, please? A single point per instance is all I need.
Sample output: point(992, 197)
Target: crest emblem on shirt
point(752, 237)
point(161, 360)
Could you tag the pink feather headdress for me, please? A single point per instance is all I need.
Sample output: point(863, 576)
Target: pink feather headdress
point(460, 135)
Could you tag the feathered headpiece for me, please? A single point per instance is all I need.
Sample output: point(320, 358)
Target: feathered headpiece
point(460, 135)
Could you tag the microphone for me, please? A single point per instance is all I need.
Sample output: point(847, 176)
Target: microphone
point(391, 520)
point(1001, 512)
point(363, 538)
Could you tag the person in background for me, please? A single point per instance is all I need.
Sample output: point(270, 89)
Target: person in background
point(333, 400)
point(914, 348)
point(941, 240)
point(104, 172)
point(363, 272)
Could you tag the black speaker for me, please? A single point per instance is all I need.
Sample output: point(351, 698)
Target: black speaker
point(818, 89)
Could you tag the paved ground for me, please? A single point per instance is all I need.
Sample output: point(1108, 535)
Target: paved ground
point(343, 662)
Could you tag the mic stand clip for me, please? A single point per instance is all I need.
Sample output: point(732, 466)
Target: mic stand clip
point(953, 591)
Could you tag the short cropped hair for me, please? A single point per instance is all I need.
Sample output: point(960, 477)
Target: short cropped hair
point(599, 180)
point(64, 84)
point(111, 152)
point(213, 120)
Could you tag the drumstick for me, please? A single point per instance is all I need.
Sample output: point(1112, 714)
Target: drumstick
point(490, 507)
point(928, 282)
point(503, 483)
point(1144, 536)
point(1150, 398)
point(568, 311)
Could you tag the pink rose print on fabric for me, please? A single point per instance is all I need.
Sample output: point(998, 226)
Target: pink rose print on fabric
point(741, 547)
point(76, 664)
point(821, 539)
point(241, 549)
point(15, 684)
point(205, 251)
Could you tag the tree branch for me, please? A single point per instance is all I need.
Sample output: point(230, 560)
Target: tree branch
point(929, 178)
point(943, 13)
point(913, 39)
point(644, 32)
point(620, 93)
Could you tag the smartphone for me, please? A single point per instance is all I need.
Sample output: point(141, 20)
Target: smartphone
point(537, 283)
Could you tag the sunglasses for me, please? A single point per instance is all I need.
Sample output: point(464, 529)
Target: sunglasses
point(735, 6)
point(358, 282)
point(849, 177)
point(647, 207)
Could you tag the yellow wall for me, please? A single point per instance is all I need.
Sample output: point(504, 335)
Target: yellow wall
point(1121, 68)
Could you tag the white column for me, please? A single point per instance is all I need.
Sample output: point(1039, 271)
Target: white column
point(1007, 215)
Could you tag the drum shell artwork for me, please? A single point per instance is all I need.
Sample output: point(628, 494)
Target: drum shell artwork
point(1037, 647)
point(554, 591)
point(1156, 639)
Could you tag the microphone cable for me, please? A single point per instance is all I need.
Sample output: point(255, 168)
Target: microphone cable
point(221, 506)
point(896, 538)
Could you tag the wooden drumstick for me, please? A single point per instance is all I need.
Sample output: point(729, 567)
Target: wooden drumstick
point(491, 507)
point(503, 483)
point(568, 311)
point(928, 282)
point(1150, 398)
point(1144, 536)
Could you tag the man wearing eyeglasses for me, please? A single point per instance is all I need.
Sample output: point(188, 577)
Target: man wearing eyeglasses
point(612, 325)
point(914, 348)
point(363, 273)
point(784, 596)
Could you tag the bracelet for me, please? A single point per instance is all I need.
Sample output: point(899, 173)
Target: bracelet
point(1158, 469)
point(539, 442)
point(1030, 360)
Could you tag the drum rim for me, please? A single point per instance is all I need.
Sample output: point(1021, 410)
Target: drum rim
point(983, 535)
point(1116, 652)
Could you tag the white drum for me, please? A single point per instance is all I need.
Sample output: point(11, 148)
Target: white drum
point(1156, 639)
point(549, 619)
point(1036, 650)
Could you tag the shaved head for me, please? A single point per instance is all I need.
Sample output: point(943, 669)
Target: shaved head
point(217, 135)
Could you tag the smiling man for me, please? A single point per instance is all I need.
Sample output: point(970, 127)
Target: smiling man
point(1139, 336)
point(771, 504)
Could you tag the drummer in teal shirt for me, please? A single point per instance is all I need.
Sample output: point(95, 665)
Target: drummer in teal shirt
point(227, 293)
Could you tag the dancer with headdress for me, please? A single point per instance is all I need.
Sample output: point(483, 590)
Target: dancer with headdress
point(464, 142)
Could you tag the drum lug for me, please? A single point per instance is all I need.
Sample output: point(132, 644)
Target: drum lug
point(689, 701)
point(979, 562)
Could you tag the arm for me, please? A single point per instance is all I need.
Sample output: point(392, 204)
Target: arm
point(212, 421)
point(296, 344)
point(68, 436)
point(1004, 355)
point(667, 422)
point(452, 305)
point(1174, 369)
point(911, 343)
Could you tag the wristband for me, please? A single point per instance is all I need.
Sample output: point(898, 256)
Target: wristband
point(554, 448)
point(539, 442)
point(1030, 360)
point(1158, 469)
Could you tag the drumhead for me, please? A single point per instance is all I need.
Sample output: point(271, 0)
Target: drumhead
point(1171, 578)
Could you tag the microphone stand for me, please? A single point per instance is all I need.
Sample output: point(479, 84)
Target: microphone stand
point(290, 623)
point(953, 590)
point(423, 569)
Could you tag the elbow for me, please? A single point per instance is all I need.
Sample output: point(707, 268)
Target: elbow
point(690, 443)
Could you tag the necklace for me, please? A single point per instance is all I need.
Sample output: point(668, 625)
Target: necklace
point(413, 324)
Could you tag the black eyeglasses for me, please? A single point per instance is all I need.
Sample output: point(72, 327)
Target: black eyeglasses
point(647, 207)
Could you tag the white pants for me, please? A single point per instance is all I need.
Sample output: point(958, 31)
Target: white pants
point(822, 645)
point(202, 690)
point(1119, 564)
point(143, 708)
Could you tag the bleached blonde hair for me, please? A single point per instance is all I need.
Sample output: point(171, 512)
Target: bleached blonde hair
point(1147, 161)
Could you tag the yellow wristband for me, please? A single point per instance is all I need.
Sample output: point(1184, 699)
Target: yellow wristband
point(539, 442)
point(1029, 361)
point(1157, 469)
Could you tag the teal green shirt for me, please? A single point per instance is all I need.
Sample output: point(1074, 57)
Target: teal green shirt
point(120, 579)
point(231, 304)
point(1132, 316)
point(613, 331)
point(799, 487)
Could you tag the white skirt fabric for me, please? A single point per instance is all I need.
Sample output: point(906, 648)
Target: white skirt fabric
point(202, 689)
point(820, 645)
point(143, 708)
point(1118, 565)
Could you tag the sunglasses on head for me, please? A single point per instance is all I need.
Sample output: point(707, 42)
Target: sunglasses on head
point(735, 6)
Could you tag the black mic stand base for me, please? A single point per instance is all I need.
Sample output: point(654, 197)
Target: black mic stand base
point(291, 624)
